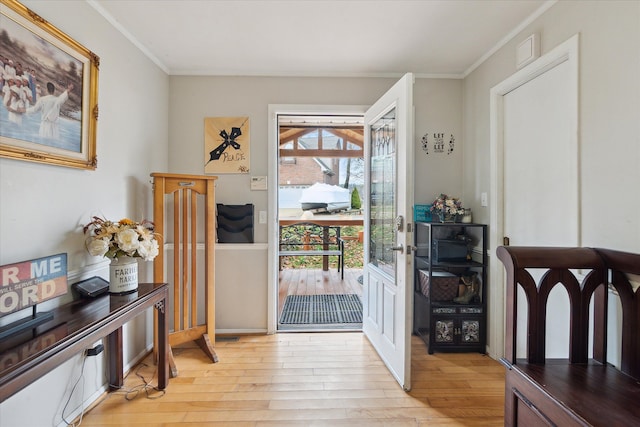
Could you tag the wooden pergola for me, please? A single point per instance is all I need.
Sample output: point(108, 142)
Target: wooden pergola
point(351, 136)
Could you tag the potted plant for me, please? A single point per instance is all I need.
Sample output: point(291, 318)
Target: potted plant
point(448, 209)
point(122, 242)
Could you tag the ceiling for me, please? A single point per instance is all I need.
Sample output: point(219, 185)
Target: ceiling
point(382, 38)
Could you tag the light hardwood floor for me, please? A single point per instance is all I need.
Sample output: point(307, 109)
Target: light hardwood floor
point(311, 379)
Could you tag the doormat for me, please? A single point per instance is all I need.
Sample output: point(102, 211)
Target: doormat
point(321, 309)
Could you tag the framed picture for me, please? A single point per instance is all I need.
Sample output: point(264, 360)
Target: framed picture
point(49, 87)
point(226, 145)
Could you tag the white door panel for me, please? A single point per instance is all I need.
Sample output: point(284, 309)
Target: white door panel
point(535, 178)
point(540, 188)
point(389, 325)
point(372, 290)
point(387, 297)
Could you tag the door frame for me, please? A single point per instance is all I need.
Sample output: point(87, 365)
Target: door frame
point(567, 51)
point(272, 190)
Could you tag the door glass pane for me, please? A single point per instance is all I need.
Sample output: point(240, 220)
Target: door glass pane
point(383, 193)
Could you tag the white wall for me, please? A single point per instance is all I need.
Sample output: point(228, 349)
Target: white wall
point(438, 106)
point(437, 109)
point(609, 122)
point(43, 208)
point(609, 115)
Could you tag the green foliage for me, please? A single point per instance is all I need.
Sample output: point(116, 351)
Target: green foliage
point(356, 203)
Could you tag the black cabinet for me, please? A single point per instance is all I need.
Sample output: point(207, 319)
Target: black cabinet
point(450, 304)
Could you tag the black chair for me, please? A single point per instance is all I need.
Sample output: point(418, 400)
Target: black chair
point(234, 223)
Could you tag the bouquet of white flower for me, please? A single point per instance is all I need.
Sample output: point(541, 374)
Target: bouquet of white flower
point(445, 205)
point(125, 238)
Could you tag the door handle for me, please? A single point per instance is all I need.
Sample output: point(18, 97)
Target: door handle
point(398, 248)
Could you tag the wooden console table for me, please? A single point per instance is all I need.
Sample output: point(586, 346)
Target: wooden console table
point(76, 327)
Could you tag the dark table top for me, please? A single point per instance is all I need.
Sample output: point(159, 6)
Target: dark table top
point(70, 322)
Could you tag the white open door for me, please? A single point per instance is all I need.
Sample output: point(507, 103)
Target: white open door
point(387, 292)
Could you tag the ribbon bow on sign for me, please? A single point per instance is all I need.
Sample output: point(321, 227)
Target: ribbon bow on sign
point(227, 140)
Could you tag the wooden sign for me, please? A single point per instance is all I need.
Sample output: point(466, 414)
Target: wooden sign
point(226, 145)
point(28, 283)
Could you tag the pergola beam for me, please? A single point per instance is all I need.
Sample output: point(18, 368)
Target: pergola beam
point(320, 153)
point(293, 134)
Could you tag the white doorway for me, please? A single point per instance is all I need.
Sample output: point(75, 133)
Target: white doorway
point(534, 170)
point(320, 179)
point(276, 111)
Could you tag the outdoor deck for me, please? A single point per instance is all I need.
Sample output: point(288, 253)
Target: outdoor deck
point(316, 281)
point(300, 281)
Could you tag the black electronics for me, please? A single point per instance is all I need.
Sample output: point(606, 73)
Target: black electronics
point(95, 350)
point(445, 250)
point(92, 287)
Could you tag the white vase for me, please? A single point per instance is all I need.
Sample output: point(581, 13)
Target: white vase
point(123, 275)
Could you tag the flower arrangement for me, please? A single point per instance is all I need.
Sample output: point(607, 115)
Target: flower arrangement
point(445, 205)
point(125, 238)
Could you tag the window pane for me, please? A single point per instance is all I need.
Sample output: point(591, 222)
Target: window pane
point(383, 193)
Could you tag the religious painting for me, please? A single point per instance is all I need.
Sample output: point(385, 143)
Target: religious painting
point(226, 145)
point(49, 89)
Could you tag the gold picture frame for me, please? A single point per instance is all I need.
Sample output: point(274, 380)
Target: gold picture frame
point(54, 120)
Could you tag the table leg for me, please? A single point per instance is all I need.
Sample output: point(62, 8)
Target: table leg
point(163, 345)
point(114, 343)
point(325, 246)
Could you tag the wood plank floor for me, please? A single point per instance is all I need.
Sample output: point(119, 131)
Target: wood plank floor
point(310, 379)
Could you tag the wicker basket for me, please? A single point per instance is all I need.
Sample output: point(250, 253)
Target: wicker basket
point(443, 288)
